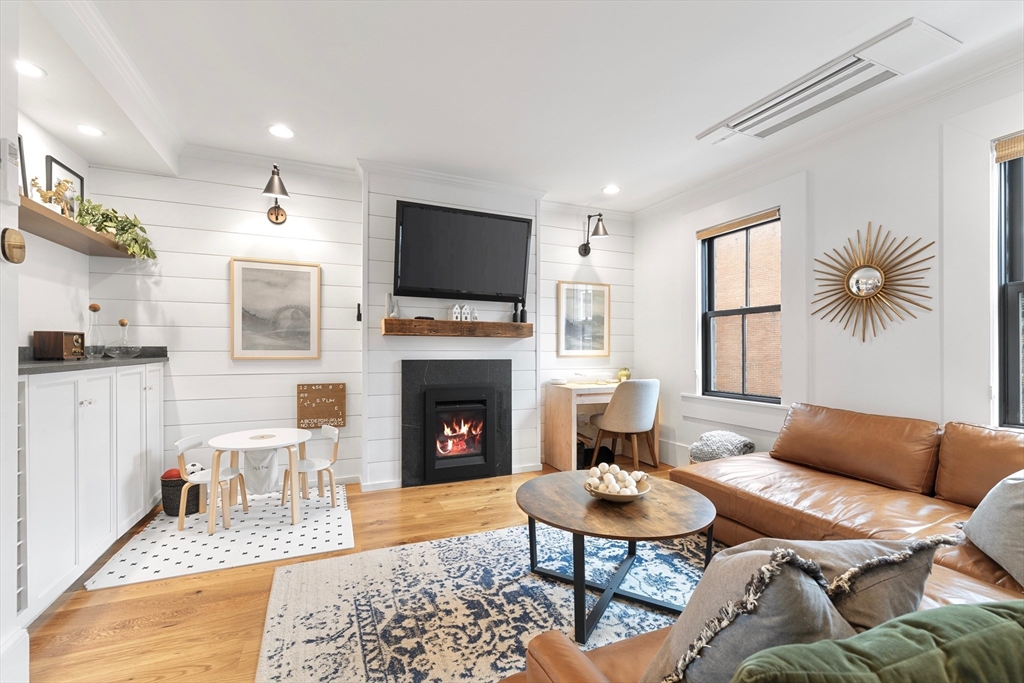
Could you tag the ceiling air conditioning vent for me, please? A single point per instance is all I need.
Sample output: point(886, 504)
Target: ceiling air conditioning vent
point(899, 50)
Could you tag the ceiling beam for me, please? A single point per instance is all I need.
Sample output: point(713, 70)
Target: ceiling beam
point(86, 32)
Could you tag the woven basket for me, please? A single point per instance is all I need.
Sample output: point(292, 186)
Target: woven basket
point(171, 489)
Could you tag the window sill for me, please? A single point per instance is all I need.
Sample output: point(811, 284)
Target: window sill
point(767, 417)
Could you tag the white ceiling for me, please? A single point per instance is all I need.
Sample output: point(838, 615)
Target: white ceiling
point(560, 96)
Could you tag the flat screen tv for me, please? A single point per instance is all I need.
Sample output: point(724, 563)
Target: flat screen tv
point(456, 254)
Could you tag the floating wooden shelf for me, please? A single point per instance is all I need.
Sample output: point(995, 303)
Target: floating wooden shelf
point(453, 328)
point(35, 218)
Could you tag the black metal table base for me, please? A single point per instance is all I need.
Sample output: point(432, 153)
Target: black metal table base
point(584, 622)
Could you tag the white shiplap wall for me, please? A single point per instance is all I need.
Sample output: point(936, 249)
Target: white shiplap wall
point(383, 186)
point(211, 212)
point(562, 229)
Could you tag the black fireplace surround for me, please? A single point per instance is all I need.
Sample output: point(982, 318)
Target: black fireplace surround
point(456, 420)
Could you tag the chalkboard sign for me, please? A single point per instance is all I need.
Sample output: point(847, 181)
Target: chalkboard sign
point(320, 404)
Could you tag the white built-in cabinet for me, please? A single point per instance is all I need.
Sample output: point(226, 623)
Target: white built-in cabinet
point(94, 451)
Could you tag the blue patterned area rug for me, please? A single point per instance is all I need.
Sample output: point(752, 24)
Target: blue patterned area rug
point(457, 609)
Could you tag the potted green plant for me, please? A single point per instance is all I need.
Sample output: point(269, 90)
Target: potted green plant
point(128, 232)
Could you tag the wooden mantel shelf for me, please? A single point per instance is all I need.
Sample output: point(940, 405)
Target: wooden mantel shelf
point(35, 218)
point(409, 327)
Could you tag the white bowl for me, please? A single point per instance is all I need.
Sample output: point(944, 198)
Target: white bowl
point(642, 487)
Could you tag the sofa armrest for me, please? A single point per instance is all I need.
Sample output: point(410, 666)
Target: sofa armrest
point(552, 658)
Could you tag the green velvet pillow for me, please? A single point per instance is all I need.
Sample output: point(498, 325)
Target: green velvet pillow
point(956, 643)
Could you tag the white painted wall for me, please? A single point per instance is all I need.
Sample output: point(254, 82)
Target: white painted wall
point(562, 229)
point(383, 186)
point(889, 172)
point(54, 280)
point(14, 650)
point(198, 221)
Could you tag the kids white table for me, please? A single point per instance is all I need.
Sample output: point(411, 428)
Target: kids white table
point(261, 439)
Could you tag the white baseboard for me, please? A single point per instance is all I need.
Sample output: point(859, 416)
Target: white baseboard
point(381, 485)
point(352, 479)
point(532, 467)
point(14, 658)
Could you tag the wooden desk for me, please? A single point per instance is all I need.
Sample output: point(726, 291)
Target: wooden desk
point(560, 421)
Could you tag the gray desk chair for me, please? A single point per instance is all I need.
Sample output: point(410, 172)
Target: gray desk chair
point(630, 412)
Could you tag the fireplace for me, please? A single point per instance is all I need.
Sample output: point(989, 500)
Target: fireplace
point(459, 426)
point(456, 420)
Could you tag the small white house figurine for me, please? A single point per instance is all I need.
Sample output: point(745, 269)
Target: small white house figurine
point(474, 316)
point(455, 313)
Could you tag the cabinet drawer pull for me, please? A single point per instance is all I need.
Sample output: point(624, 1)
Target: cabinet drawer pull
point(87, 402)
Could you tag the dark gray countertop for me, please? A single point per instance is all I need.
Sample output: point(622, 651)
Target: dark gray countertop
point(28, 366)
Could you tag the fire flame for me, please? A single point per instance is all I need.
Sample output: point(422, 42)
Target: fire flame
point(460, 437)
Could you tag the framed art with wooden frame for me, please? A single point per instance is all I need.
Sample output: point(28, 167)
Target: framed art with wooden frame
point(584, 319)
point(275, 310)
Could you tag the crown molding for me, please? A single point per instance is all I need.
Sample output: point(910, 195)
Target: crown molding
point(997, 66)
point(579, 209)
point(261, 161)
point(407, 172)
point(84, 29)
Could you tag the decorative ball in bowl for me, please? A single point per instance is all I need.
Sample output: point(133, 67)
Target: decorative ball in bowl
point(123, 351)
point(611, 483)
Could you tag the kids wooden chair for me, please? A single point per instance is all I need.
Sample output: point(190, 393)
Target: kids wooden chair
point(318, 465)
point(204, 480)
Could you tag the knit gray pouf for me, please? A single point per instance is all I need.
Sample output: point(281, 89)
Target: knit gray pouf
point(719, 444)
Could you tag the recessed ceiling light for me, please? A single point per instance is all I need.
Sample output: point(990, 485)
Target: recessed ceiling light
point(28, 69)
point(611, 189)
point(281, 131)
point(90, 130)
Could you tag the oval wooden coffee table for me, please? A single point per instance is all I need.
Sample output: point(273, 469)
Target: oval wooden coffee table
point(669, 510)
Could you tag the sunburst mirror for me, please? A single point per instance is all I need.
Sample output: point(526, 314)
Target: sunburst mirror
point(872, 281)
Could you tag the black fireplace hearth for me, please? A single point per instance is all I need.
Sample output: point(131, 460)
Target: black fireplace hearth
point(456, 420)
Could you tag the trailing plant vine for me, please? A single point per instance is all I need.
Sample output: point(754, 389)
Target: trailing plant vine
point(128, 232)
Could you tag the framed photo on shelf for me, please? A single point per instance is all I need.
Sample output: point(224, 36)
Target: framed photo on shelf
point(584, 319)
point(24, 171)
point(56, 172)
point(275, 310)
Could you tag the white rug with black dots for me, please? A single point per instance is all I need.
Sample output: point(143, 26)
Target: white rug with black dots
point(263, 534)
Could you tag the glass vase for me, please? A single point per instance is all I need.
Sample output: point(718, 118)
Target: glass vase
point(95, 344)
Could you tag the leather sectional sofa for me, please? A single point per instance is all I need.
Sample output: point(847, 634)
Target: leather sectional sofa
point(834, 474)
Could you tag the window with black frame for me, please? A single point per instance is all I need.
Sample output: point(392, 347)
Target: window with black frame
point(741, 327)
point(1010, 156)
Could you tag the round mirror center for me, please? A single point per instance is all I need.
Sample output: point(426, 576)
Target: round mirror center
point(864, 281)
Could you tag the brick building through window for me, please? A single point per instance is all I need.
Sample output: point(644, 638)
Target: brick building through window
point(742, 309)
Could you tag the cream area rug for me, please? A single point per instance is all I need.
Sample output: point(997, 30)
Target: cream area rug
point(263, 534)
point(455, 609)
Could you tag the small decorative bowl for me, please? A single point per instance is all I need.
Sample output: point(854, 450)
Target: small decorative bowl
point(123, 351)
point(642, 488)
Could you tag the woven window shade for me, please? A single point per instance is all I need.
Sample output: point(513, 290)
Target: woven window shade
point(1010, 148)
point(739, 224)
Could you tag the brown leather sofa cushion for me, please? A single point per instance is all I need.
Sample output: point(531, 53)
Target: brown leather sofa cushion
point(973, 459)
point(897, 452)
point(784, 500)
point(552, 658)
point(947, 586)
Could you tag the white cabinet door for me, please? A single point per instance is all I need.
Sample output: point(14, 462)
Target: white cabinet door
point(96, 526)
point(131, 446)
point(154, 432)
point(54, 408)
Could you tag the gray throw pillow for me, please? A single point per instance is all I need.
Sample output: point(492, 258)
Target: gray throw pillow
point(784, 601)
point(870, 581)
point(996, 525)
point(719, 444)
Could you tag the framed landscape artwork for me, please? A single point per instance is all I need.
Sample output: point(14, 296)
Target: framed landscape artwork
point(584, 319)
point(275, 310)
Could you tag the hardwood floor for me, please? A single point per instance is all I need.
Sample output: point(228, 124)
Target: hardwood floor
point(207, 627)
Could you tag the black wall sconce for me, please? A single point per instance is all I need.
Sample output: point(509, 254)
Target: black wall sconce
point(275, 188)
point(599, 231)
